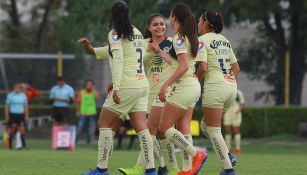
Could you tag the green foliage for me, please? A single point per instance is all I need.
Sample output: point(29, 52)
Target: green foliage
point(256, 122)
point(268, 121)
point(280, 25)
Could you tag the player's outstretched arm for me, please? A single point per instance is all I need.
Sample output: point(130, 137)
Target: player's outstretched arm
point(88, 48)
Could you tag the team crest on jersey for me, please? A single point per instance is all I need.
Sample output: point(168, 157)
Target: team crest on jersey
point(115, 37)
point(201, 45)
point(166, 49)
point(180, 41)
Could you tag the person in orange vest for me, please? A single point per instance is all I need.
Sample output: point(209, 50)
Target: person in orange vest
point(29, 91)
point(86, 110)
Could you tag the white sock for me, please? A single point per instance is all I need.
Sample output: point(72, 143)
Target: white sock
point(238, 141)
point(168, 151)
point(141, 161)
point(203, 127)
point(105, 143)
point(186, 158)
point(147, 148)
point(112, 146)
point(228, 141)
point(219, 146)
point(157, 151)
point(176, 137)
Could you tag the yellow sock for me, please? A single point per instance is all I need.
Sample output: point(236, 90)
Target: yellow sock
point(105, 143)
point(147, 148)
point(157, 151)
point(179, 140)
point(219, 145)
point(238, 141)
point(228, 141)
point(168, 151)
point(186, 158)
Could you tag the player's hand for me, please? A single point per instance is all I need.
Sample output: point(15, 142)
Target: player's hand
point(116, 97)
point(153, 46)
point(84, 41)
point(162, 93)
point(109, 88)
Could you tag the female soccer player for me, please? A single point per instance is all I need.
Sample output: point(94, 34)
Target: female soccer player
point(130, 90)
point(157, 71)
point(220, 85)
point(232, 120)
point(186, 90)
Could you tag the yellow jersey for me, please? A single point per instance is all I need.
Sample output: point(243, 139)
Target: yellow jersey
point(181, 45)
point(157, 69)
point(220, 58)
point(127, 60)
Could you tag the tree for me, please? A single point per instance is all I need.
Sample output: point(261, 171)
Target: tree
point(56, 25)
point(274, 19)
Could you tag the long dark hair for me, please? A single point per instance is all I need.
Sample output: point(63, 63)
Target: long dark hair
point(147, 33)
point(187, 27)
point(120, 20)
point(215, 20)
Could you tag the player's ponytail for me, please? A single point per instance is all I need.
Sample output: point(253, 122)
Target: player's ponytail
point(187, 25)
point(215, 20)
point(120, 20)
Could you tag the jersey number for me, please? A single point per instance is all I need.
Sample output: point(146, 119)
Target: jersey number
point(222, 65)
point(140, 61)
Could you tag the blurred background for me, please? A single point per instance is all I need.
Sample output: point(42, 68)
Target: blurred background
point(38, 42)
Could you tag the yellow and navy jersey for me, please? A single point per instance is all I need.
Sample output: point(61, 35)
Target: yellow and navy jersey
point(220, 58)
point(157, 69)
point(127, 60)
point(181, 45)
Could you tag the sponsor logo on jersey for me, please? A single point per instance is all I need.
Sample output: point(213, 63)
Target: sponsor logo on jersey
point(201, 45)
point(115, 37)
point(180, 41)
point(156, 60)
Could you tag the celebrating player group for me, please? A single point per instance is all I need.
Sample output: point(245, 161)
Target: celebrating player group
point(156, 86)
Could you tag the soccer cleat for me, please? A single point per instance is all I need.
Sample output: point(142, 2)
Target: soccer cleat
point(198, 161)
point(151, 173)
point(232, 159)
point(173, 171)
point(238, 151)
point(95, 172)
point(231, 173)
point(189, 172)
point(132, 171)
point(162, 171)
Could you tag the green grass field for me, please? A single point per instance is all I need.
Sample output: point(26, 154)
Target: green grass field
point(274, 156)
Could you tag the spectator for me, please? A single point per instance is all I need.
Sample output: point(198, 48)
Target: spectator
point(29, 91)
point(62, 95)
point(86, 110)
point(16, 114)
